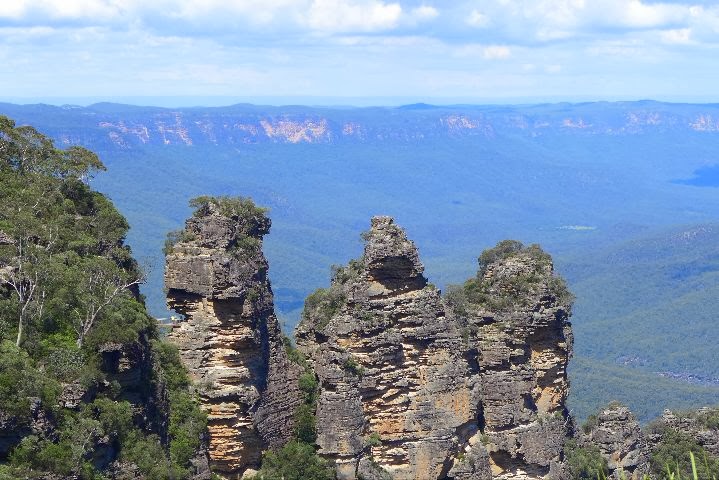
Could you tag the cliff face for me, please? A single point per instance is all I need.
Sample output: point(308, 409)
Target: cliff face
point(516, 315)
point(427, 391)
point(395, 387)
point(230, 340)
point(411, 384)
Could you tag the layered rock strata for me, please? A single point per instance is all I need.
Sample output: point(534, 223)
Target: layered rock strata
point(616, 432)
point(230, 340)
point(396, 391)
point(515, 316)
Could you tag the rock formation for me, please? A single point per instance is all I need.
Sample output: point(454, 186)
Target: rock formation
point(701, 425)
point(395, 389)
point(616, 432)
point(426, 391)
point(411, 385)
point(230, 340)
point(516, 313)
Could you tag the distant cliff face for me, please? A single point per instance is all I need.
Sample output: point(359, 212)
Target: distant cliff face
point(216, 276)
point(121, 126)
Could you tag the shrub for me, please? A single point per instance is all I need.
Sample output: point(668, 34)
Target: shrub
point(147, 453)
point(504, 249)
point(241, 208)
point(585, 463)
point(374, 440)
point(168, 359)
point(672, 453)
point(294, 461)
point(322, 305)
point(20, 381)
point(306, 424)
point(174, 237)
point(353, 367)
point(293, 354)
point(187, 426)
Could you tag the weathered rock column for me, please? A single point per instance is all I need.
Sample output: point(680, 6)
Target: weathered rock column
point(396, 392)
point(518, 316)
point(616, 432)
point(230, 340)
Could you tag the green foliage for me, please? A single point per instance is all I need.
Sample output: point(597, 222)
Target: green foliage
point(67, 266)
point(241, 208)
point(672, 454)
point(308, 386)
point(353, 367)
point(501, 294)
point(187, 427)
point(147, 453)
point(342, 275)
point(306, 423)
point(68, 286)
point(79, 438)
point(245, 246)
point(502, 251)
point(374, 439)
point(174, 237)
point(294, 461)
point(585, 463)
point(168, 359)
point(590, 424)
point(322, 305)
point(294, 354)
point(20, 381)
point(708, 418)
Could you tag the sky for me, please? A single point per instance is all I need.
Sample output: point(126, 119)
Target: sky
point(358, 51)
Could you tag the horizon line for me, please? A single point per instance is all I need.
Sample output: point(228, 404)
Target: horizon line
point(218, 101)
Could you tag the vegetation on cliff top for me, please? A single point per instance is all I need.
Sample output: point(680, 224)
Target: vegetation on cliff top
point(68, 295)
point(502, 293)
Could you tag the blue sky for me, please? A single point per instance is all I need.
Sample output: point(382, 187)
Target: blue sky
point(334, 50)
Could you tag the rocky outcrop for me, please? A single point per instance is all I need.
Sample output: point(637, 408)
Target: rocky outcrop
point(396, 390)
point(411, 385)
point(701, 425)
point(515, 316)
point(230, 340)
point(616, 432)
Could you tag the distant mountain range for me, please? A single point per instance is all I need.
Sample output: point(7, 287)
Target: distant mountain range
point(623, 195)
point(125, 126)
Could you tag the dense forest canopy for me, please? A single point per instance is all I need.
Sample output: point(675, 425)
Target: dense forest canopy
point(69, 307)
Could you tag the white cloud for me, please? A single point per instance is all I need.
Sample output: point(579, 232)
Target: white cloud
point(13, 9)
point(477, 19)
point(488, 52)
point(681, 36)
point(425, 12)
point(352, 16)
point(496, 52)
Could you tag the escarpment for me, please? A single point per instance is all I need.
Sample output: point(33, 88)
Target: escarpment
point(230, 340)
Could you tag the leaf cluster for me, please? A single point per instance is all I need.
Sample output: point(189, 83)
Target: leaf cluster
point(585, 462)
point(294, 461)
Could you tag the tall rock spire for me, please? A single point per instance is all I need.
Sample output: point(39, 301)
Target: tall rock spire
point(230, 340)
point(396, 392)
point(516, 315)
